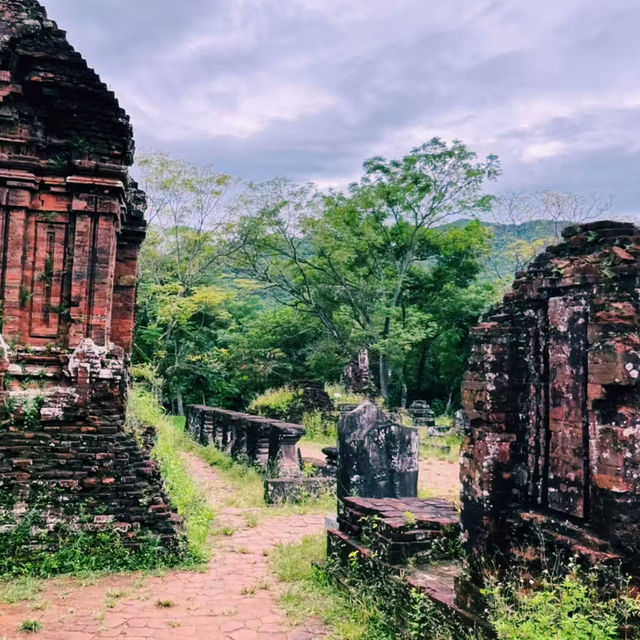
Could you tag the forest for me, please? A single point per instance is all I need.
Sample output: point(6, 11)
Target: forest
point(247, 287)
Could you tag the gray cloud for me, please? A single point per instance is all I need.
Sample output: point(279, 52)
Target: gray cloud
point(309, 88)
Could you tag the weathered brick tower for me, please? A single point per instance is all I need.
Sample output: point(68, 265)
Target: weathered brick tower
point(71, 224)
point(552, 397)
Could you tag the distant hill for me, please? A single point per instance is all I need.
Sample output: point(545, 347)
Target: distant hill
point(514, 245)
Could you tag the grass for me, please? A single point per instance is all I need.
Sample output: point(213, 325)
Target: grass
point(186, 497)
point(320, 429)
point(341, 395)
point(310, 593)
point(165, 604)
point(30, 626)
point(434, 446)
point(112, 597)
point(23, 589)
point(242, 486)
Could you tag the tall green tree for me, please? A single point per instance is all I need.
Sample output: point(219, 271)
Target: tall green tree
point(347, 260)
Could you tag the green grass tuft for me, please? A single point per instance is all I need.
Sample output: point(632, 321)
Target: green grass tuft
point(30, 626)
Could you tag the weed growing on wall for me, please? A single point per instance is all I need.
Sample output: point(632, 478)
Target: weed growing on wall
point(363, 605)
point(68, 551)
point(567, 608)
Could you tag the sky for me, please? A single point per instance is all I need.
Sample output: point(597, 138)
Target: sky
point(309, 89)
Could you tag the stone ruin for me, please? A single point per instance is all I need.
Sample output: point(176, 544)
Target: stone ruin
point(71, 224)
point(377, 458)
point(268, 444)
point(550, 461)
point(421, 414)
point(553, 440)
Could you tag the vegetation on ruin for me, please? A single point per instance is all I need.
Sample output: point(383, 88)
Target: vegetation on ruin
point(69, 551)
point(563, 607)
point(186, 497)
point(367, 603)
point(242, 485)
point(354, 607)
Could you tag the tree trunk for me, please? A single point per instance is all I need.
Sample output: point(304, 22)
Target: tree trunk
point(384, 377)
point(403, 400)
point(421, 365)
point(180, 403)
point(449, 399)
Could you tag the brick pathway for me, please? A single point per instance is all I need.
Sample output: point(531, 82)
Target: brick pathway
point(235, 598)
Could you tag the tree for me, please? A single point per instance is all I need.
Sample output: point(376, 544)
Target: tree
point(191, 231)
point(347, 262)
point(525, 223)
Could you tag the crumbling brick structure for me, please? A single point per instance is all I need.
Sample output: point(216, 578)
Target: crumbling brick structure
point(553, 441)
point(71, 224)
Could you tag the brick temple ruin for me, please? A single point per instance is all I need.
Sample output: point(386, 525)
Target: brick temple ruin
point(553, 440)
point(71, 224)
point(550, 461)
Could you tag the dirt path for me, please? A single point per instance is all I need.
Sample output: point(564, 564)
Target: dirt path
point(234, 598)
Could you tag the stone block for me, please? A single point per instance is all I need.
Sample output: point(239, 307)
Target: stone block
point(376, 457)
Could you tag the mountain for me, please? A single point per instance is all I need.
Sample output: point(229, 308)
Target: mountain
point(514, 245)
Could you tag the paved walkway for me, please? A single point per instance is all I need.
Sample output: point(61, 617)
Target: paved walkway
point(235, 598)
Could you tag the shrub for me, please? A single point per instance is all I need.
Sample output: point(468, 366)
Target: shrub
point(281, 404)
point(566, 609)
point(320, 426)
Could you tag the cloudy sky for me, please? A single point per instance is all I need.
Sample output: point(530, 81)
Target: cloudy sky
point(310, 88)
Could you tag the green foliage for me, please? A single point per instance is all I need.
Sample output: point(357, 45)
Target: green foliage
point(30, 626)
point(320, 427)
point(347, 259)
point(276, 403)
point(186, 497)
point(566, 609)
point(446, 448)
point(327, 276)
point(341, 395)
point(19, 589)
point(364, 605)
point(68, 551)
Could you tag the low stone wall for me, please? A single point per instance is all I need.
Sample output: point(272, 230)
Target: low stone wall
point(267, 443)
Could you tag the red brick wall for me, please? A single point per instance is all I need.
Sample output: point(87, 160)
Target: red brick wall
point(71, 225)
point(551, 394)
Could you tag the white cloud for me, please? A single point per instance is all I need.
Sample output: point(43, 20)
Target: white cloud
point(541, 150)
point(229, 106)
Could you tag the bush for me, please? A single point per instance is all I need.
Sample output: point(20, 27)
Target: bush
point(280, 404)
point(566, 609)
point(320, 427)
